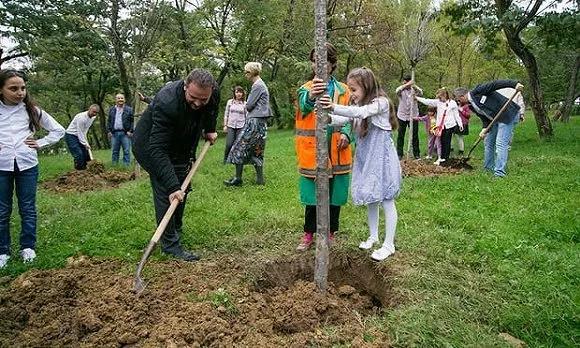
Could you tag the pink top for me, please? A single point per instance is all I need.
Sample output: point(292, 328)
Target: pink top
point(464, 114)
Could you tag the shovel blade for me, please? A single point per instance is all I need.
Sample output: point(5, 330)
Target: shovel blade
point(139, 285)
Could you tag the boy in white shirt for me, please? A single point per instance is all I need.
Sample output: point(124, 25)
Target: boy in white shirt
point(76, 136)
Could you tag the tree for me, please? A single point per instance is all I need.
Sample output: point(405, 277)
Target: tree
point(559, 50)
point(512, 19)
point(322, 193)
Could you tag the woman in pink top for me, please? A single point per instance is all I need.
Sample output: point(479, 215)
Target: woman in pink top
point(234, 118)
point(464, 114)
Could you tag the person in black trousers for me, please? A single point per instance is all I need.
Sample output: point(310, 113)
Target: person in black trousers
point(165, 142)
point(407, 111)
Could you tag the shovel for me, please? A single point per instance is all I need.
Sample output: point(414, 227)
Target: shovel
point(464, 160)
point(90, 154)
point(139, 284)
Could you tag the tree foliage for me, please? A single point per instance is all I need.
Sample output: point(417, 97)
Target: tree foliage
point(84, 51)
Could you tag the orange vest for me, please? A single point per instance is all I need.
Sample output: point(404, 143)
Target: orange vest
point(340, 161)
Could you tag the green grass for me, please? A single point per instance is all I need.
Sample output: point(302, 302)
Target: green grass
point(479, 255)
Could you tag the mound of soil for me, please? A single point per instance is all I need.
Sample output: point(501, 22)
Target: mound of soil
point(215, 303)
point(93, 178)
point(453, 166)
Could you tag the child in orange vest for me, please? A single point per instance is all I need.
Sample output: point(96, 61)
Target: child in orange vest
point(376, 173)
point(339, 150)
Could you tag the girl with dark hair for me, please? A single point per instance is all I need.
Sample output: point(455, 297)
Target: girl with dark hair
point(234, 118)
point(376, 173)
point(20, 118)
point(338, 145)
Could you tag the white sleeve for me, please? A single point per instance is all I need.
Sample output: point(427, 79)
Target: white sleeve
point(83, 127)
point(428, 102)
point(376, 107)
point(55, 130)
point(336, 120)
point(455, 111)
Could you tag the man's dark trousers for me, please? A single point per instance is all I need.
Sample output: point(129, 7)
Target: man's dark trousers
point(170, 238)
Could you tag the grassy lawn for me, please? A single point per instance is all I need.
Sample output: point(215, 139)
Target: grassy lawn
point(478, 255)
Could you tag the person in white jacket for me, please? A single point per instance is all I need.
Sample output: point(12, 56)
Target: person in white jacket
point(447, 120)
point(76, 136)
point(20, 119)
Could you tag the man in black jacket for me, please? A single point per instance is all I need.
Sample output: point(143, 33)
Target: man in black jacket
point(486, 100)
point(120, 127)
point(165, 142)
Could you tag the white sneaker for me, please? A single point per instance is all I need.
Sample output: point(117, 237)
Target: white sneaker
point(382, 253)
point(428, 157)
point(439, 161)
point(4, 260)
point(367, 244)
point(28, 255)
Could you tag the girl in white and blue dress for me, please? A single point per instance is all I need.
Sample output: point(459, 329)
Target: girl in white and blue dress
point(376, 173)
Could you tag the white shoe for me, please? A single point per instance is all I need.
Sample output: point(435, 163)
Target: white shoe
point(4, 260)
point(367, 244)
point(428, 157)
point(28, 255)
point(382, 253)
point(439, 161)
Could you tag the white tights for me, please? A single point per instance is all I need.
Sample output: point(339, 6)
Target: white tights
point(390, 221)
point(460, 143)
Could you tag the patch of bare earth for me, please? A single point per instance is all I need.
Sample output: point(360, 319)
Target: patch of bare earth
point(95, 177)
point(422, 167)
point(213, 303)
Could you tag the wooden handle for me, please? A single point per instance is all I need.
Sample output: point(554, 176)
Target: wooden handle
point(90, 154)
point(501, 111)
point(169, 213)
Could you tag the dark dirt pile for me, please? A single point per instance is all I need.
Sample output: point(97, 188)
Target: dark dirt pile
point(453, 166)
point(95, 177)
point(214, 303)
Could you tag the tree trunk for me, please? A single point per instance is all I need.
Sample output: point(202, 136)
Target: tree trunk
point(572, 94)
point(410, 139)
point(103, 123)
point(277, 116)
point(322, 193)
point(118, 51)
point(542, 121)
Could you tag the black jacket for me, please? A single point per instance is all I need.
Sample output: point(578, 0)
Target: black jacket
point(127, 118)
point(488, 102)
point(169, 130)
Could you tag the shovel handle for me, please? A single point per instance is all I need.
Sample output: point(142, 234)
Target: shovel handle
point(493, 121)
point(169, 213)
point(90, 154)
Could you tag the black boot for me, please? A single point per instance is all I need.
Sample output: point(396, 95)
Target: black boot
point(233, 182)
point(260, 175)
point(236, 180)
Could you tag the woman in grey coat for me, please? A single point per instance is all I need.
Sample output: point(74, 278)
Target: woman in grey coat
point(250, 144)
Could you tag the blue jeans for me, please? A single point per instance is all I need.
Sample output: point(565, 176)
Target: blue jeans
point(77, 150)
point(25, 182)
point(497, 148)
point(119, 139)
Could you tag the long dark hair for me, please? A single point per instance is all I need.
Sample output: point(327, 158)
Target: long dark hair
point(31, 109)
point(366, 79)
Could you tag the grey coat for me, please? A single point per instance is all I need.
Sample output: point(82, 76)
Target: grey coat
point(258, 103)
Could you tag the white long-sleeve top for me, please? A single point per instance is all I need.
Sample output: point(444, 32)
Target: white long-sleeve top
point(14, 131)
point(518, 99)
point(377, 111)
point(80, 125)
point(449, 108)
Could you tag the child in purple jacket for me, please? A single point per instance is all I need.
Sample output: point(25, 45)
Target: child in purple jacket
point(434, 143)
